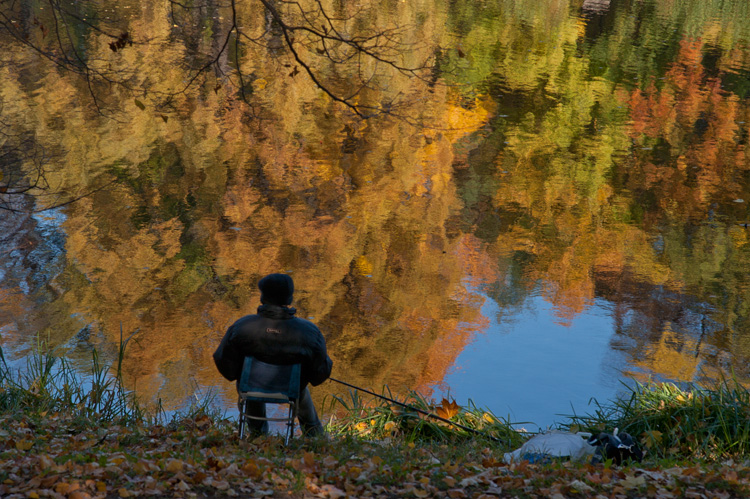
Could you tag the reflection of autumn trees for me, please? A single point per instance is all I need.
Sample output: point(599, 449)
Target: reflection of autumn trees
point(612, 162)
point(690, 136)
point(18, 269)
point(665, 333)
point(135, 57)
point(569, 165)
point(346, 51)
point(691, 173)
point(18, 149)
point(210, 197)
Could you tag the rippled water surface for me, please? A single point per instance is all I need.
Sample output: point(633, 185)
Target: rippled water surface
point(556, 206)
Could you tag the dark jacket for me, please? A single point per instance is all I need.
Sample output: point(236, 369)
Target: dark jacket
point(274, 335)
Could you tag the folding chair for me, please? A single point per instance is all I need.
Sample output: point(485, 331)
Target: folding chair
point(270, 384)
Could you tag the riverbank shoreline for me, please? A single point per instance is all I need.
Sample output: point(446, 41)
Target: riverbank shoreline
point(65, 435)
point(55, 455)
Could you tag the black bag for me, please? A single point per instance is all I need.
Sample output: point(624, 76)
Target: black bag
point(617, 447)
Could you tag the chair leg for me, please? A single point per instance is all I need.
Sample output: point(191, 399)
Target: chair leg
point(290, 424)
point(242, 418)
point(244, 422)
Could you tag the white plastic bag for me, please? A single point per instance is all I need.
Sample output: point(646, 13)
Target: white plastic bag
point(554, 444)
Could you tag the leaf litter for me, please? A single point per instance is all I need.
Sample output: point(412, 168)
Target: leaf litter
point(59, 439)
point(51, 456)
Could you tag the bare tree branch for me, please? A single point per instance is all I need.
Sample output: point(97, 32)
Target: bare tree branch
point(299, 34)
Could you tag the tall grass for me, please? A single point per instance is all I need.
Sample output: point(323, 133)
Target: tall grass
point(49, 384)
point(378, 419)
point(670, 422)
point(674, 422)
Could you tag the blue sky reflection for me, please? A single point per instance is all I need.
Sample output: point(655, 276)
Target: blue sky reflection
point(532, 368)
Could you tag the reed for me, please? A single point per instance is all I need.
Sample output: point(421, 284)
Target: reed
point(49, 384)
point(670, 422)
point(673, 422)
point(377, 419)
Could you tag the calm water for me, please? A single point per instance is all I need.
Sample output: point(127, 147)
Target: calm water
point(557, 206)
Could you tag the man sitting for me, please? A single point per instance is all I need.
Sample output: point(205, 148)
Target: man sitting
point(275, 336)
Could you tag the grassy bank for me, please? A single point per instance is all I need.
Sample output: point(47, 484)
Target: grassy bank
point(67, 435)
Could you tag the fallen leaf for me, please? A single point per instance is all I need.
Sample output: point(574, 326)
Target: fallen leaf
point(362, 427)
point(633, 482)
point(580, 486)
point(252, 469)
point(447, 409)
point(691, 471)
point(309, 459)
point(220, 484)
point(617, 490)
point(174, 465)
point(203, 422)
point(332, 492)
point(49, 481)
point(651, 438)
point(140, 467)
point(450, 468)
point(182, 486)
point(24, 444)
point(63, 488)
point(45, 462)
point(469, 482)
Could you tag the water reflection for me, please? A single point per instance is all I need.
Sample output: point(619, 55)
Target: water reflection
point(568, 197)
point(527, 363)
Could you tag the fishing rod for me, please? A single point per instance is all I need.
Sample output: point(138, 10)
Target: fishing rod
point(411, 407)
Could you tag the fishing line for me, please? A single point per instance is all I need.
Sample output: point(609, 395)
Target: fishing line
point(411, 407)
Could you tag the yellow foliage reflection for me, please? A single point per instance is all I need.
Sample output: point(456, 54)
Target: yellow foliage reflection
point(539, 157)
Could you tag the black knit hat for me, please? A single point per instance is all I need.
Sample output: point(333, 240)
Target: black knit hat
point(276, 289)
